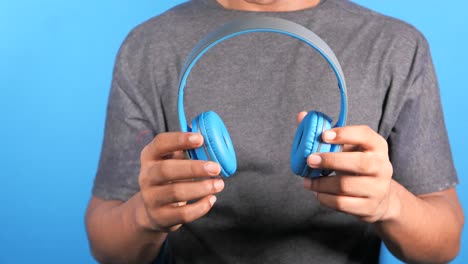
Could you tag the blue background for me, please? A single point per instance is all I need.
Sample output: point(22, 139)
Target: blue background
point(56, 60)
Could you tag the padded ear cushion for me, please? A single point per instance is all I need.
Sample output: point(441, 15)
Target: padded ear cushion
point(218, 145)
point(307, 141)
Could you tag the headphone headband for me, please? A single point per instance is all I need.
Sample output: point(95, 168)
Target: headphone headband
point(261, 24)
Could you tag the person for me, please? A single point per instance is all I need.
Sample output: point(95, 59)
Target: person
point(395, 180)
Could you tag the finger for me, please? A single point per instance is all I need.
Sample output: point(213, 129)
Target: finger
point(362, 136)
point(185, 191)
point(300, 116)
point(360, 163)
point(357, 206)
point(166, 143)
point(348, 185)
point(167, 171)
point(170, 216)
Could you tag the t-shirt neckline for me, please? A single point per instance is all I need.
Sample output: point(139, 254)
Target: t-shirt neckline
point(215, 5)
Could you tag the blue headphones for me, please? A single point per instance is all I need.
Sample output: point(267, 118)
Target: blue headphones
point(217, 145)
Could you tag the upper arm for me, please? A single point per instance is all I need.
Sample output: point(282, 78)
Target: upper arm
point(96, 204)
point(448, 199)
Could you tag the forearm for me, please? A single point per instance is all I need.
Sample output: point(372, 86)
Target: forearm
point(421, 229)
point(116, 232)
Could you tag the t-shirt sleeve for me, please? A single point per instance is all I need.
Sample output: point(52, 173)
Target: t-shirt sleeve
point(418, 142)
point(128, 128)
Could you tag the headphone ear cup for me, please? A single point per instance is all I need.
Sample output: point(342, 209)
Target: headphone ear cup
point(217, 144)
point(198, 153)
point(308, 140)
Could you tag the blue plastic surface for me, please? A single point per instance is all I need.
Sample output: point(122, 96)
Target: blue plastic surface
point(307, 141)
point(217, 142)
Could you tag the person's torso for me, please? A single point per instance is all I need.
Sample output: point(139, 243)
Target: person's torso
point(258, 83)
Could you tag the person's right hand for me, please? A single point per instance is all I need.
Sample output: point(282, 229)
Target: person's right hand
point(167, 181)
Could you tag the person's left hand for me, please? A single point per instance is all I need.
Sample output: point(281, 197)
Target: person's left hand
point(363, 184)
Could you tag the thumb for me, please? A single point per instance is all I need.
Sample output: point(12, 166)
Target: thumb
point(300, 116)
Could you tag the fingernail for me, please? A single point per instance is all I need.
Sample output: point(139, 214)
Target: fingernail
point(307, 183)
point(314, 160)
point(315, 194)
point(219, 185)
point(329, 135)
point(194, 139)
point(211, 168)
point(212, 200)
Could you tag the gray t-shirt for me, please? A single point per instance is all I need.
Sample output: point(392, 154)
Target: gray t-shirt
point(258, 83)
